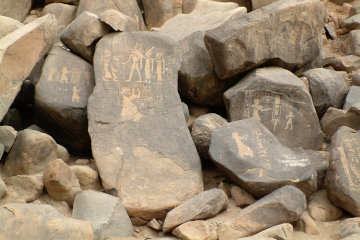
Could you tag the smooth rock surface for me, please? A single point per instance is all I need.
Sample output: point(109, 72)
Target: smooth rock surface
point(352, 45)
point(119, 21)
point(352, 22)
point(241, 197)
point(88, 177)
point(25, 188)
point(196, 230)
point(7, 137)
point(15, 9)
point(352, 98)
point(321, 209)
point(8, 25)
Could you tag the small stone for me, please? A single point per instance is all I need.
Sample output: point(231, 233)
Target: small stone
point(82, 161)
point(2, 188)
point(241, 197)
point(320, 162)
point(306, 224)
point(62, 153)
point(136, 221)
point(7, 137)
point(330, 31)
point(226, 188)
point(25, 188)
point(155, 224)
point(186, 111)
point(352, 98)
point(352, 45)
point(195, 230)
point(348, 63)
point(355, 78)
point(88, 177)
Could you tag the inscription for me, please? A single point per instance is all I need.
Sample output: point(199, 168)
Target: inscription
point(352, 156)
point(243, 150)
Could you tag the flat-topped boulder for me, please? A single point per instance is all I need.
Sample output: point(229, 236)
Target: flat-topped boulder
point(140, 142)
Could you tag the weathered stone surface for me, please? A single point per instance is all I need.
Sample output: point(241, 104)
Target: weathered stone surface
point(352, 45)
point(88, 177)
point(344, 228)
point(321, 209)
point(119, 21)
point(129, 101)
point(157, 12)
point(36, 39)
point(320, 162)
point(352, 98)
point(15, 9)
point(278, 34)
point(342, 180)
point(279, 232)
point(284, 205)
point(256, 4)
point(352, 22)
point(2, 188)
point(307, 224)
point(2, 150)
point(196, 230)
point(7, 137)
point(254, 159)
point(280, 100)
point(61, 99)
point(155, 224)
point(328, 88)
point(197, 79)
point(355, 9)
point(80, 35)
point(31, 151)
point(348, 63)
point(201, 132)
point(75, 2)
point(8, 25)
point(205, 205)
point(128, 7)
point(355, 78)
point(62, 153)
point(25, 188)
point(241, 197)
point(62, 206)
point(40, 222)
point(60, 182)
point(105, 212)
point(186, 111)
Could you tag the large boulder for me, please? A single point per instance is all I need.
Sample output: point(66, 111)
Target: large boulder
point(287, 33)
point(8, 25)
point(36, 39)
point(280, 100)
point(136, 119)
point(18, 9)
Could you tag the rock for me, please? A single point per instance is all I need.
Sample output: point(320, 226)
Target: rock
point(196, 230)
point(136, 221)
point(352, 43)
point(328, 88)
point(205, 205)
point(35, 74)
point(119, 21)
point(16, 10)
point(61, 99)
point(62, 206)
point(80, 36)
point(36, 39)
point(321, 209)
point(127, 7)
point(352, 22)
point(7, 137)
point(352, 98)
point(347, 63)
point(198, 82)
point(280, 100)
point(345, 228)
point(108, 219)
point(31, 151)
point(186, 111)
point(40, 222)
point(157, 12)
point(60, 182)
point(256, 4)
point(88, 178)
point(355, 9)
point(279, 232)
point(352, 237)
point(62, 153)
point(342, 180)
point(307, 224)
point(284, 205)
point(2, 150)
point(236, 46)
point(8, 25)
point(355, 78)
point(125, 110)
point(2, 188)
point(25, 188)
point(226, 187)
point(320, 162)
point(201, 132)
point(155, 224)
point(13, 118)
point(252, 157)
point(330, 31)
point(241, 197)
point(74, 2)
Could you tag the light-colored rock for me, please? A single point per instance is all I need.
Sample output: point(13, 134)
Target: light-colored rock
point(2, 188)
point(25, 188)
point(321, 209)
point(352, 45)
point(62, 153)
point(88, 177)
point(279, 232)
point(307, 224)
point(348, 63)
point(8, 25)
point(63, 207)
point(196, 230)
point(15, 9)
point(352, 98)
point(7, 137)
point(155, 224)
point(256, 4)
point(241, 197)
point(345, 228)
point(352, 22)
point(119, 21)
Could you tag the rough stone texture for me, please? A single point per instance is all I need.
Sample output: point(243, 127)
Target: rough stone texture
point(352, 45)
point(197, 79)
point(40, 222)
point(128, 103)
point(88, 177)
point(352, 22)
point(119, 21)
point(307, 224)
point(321, 209)
point(253, 158)
point(31, 151)
point(201, 132)
point(80, 35)
point(256, 4)
point(62, 206)
point(105, 212)
point(155, 224)
point(15, 9)
point(279, 232)
point(61, 99)
point(287, 33)
point(60, 182)
point(25, 188)
point(355, 9)
point(205, 205)
point(280, 100)
point(320, 162)
point(342, 180)
point(348, 63)
point(345, 228)
point(62, 153)
point(241, 197)
point(36, 39)
point(352, 98)
point(7, 137)
point(8, 25)
point(196, 230)
point(284, 205)
point(352, 237)
point(328, 88)
point(2, 188)
point(157, 12)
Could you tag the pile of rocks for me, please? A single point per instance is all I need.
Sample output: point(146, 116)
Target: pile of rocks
point(179, 119)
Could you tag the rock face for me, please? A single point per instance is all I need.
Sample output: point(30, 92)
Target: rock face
point(328, 88)
point(286, 33)
point(108, 219)
point(35, 38)
point(352, 98)
point(15, 9)
point(136, 119)
point(284, 205)
point(8, 25)
point(352, 22)
point(342, 180)
point(205, 205)
point(61, 99)
point(256, 4)
point(119, 21)
point(18, 221)
point(281, 102)
point(254, 159)
point(157, 12)
point(30, 153)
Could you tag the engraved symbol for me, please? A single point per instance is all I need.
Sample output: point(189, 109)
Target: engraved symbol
point(149, 65)
point(136, 57)
point(64, 78)
point(276, 113)
point(51, 74)
point(109, 71)
point(160, 67)
point(243, 149)
point(75, 76)
point(289, 122)
point(75, 95)
point(256, 108)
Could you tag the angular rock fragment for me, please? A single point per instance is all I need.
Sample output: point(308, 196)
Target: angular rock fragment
point(199, 230)
point(355, 9)
point(241, 197)
point(25, 188)
point(88, 177)
point(348, 63)
point(321, 209)
point(15, 9)
point(352, 98)
point(279, 232)
point(119, 21)
point(307, 224)
point(352, 22)
point(8, 25)
point(352, 43)
point(7, 137)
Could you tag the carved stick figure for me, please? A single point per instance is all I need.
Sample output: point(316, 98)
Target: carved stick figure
point(75, 96)
point(149, 65)
point(64, 78)
point(160, 67)
point(137, 58)
point(109, 71)
point(289, 122)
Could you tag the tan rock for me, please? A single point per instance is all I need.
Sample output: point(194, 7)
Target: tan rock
point(75, 2)
point(321, 209)
point(15, 9)
point(196, 230)
point(2, 188)
point(8, 25)
point(62, 153)
point(279, 232)
point(242, 197)
point(155, 224)
point(7, 137)
point(88, 177)
point(62, 206)
point(25, 188)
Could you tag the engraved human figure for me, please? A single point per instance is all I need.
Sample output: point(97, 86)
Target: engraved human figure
point(256, 108)
point(137, 59)
point(109, 71)
point(51, 74)
point(75, 95)
point(276, 113)
point(64, 78)
point(289, 123)
point(160, 67)
point(75, 76)
point(149, 65)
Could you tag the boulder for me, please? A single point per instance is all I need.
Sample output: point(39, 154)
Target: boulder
point(352, 43)
point(157, 12)
point(119, 21)
point(196, 230)
point(108, 220)
point(348, 63)
point(136, 119)
point(279, 232)
point(284, 205)
point(307, 225)
point(36, 39)
point(61, 99)
point(8, 25)
point(15, 9)
point(205, 205)
point(352, 98)
point(24, 188)
point(241, 197)
point(280, 100)
point(321, 209)
point(286, 33)
point(88, 177)
point(352, 22)
point(31, 151)
point(7, 137)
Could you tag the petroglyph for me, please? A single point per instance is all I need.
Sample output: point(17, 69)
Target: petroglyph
point(243, 150)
